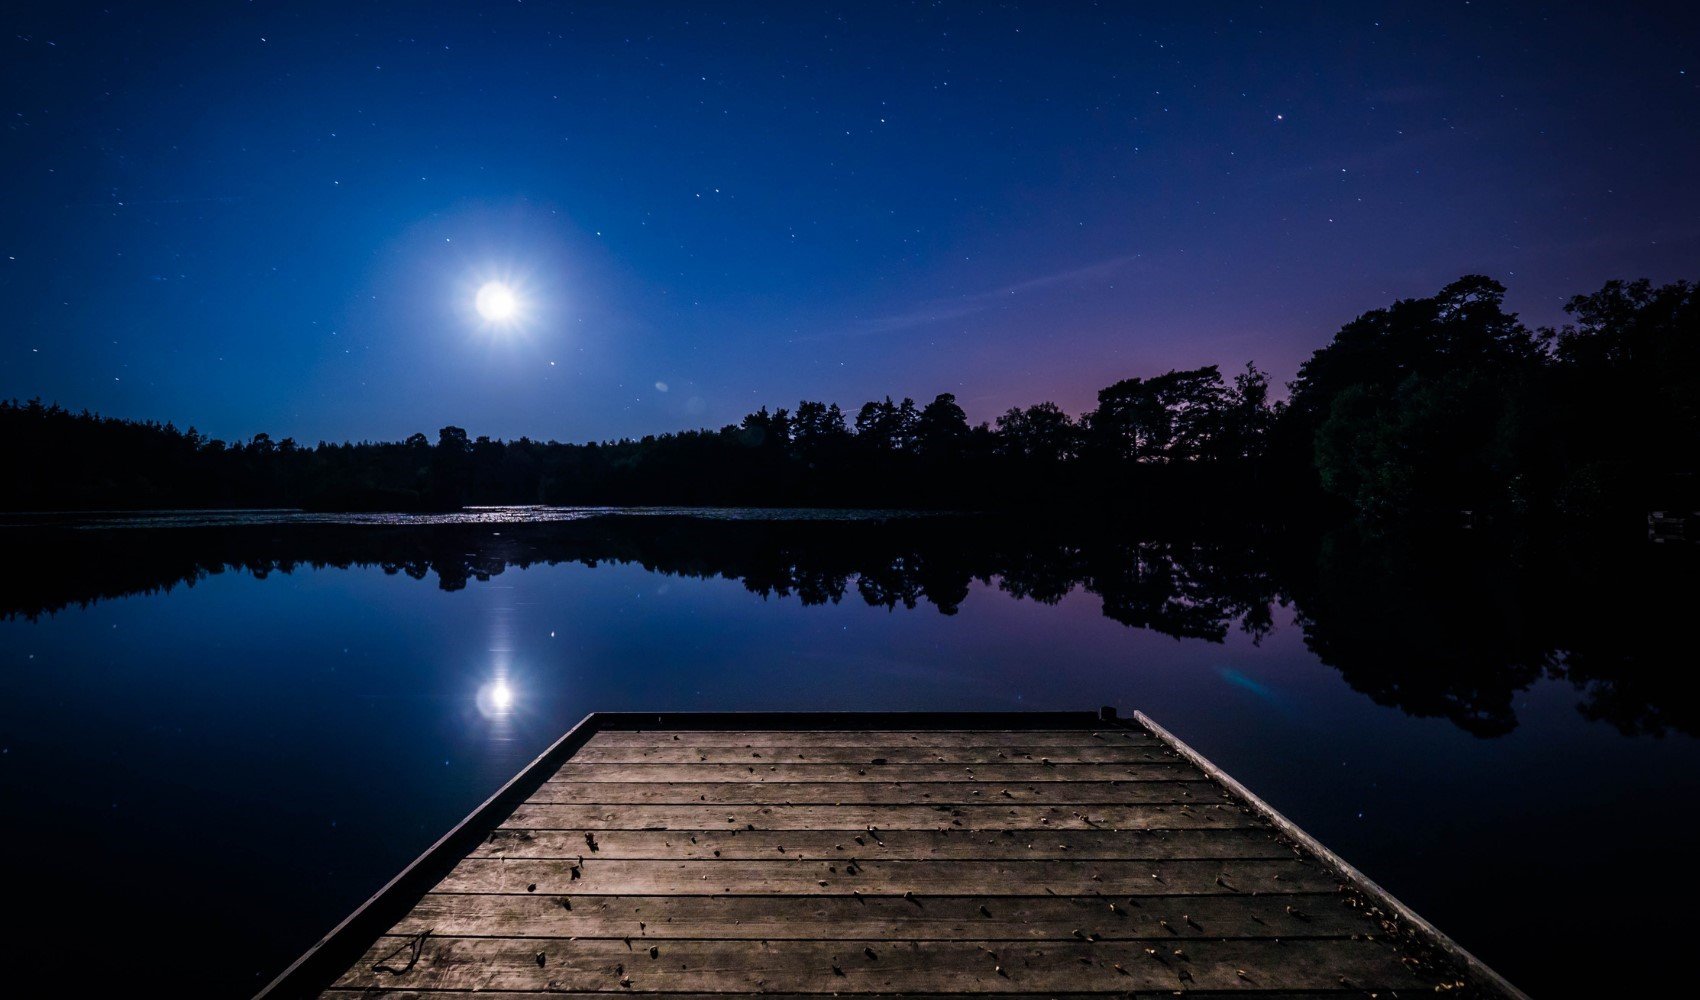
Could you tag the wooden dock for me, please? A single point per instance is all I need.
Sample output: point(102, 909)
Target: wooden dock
point(1062, 854)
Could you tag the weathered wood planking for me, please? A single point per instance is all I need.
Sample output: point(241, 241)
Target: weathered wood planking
point(546, 816)
point(834, 966)
point(761, 770)
point(420, 994)
point(1025, 877)
point(865, 739)
point(880, 918)
point(1249, 842)
point(872, 793)
point(873, 855)
point(416, 994)
point(682, 753)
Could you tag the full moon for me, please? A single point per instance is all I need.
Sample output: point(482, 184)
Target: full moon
point(496, 302)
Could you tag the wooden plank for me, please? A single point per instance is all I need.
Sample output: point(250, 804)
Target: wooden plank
point(760, 770)
point(877, 738)
point(896, 844)
point(989, 817)
point(880, 918)
point(841, 967)
point(391, 993)
point(878, 793)
point(856, 722)
point(679, 753)
point(843, 877)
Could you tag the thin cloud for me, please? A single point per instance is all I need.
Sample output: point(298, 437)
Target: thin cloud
point(1375, 157)
point(956, 307)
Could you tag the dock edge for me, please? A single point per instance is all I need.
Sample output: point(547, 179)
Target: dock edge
point(1363, 882)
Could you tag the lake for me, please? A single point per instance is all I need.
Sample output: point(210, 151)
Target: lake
point(221, 732)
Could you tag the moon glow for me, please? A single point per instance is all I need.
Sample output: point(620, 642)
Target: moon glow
point(496, 302)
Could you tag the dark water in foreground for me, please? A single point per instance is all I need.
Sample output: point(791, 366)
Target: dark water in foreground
point(198, 780)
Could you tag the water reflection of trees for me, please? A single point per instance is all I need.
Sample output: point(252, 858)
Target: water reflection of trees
point(1431, 626)
point(1456, 627)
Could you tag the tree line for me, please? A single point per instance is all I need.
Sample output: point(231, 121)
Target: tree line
point(1428, 407)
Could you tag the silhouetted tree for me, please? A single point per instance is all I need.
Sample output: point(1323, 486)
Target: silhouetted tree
point(1173, 417)
point(1041, 433)
point(1246, 417)
point(818, 427)
point(1624, 399)
point(1405, 405)
point(888, 426)
point(451, 468)
point(941, 428)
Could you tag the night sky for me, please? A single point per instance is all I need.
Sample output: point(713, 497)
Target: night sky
point(275, 216)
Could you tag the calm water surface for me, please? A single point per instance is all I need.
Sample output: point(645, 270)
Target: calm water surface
point(211, 775)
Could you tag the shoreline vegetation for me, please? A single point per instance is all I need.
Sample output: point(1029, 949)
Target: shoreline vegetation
point(1445, 408)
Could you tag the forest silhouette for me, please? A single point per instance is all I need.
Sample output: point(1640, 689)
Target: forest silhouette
point(1435, 407)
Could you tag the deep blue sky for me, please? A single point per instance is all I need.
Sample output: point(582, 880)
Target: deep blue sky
point(273, 216)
